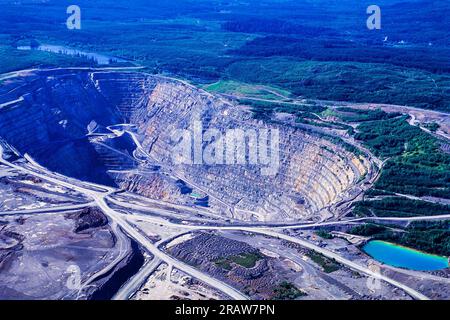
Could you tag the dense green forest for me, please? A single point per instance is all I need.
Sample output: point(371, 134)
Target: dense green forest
point(361, 115)
point(415, 164)
point(432, 237)
point(399, 207)
point(318, 49)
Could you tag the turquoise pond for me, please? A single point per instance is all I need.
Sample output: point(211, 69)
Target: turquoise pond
point(398, 256)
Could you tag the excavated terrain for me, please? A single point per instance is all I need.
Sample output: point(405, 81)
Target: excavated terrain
point(116, 128)
point(257, 279)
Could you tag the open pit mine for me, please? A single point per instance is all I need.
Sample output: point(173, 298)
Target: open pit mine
point(93, 204)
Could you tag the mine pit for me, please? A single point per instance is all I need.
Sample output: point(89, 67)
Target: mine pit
point(118, 133)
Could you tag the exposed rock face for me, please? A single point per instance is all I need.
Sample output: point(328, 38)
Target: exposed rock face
point(314, 173)
point(151, 185)
point(62, 123)
point(51, 123)
point(90, 218)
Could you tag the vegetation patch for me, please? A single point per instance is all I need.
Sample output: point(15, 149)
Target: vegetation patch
point(13, 60)
point(367, 230)
point(416, 164)
point(324, 234)
point(263, 109)
point(432, 126)
point(287, 291)
point(344, 81)
point(240, 88)
point(399, 207)
point(224, 264)
point(431, 237)
point(388, 138)
point(361, 115)
point(246, 260)
point(328, 265)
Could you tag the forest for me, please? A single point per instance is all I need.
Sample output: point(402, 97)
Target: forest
point(431, 237)
point(320, 50)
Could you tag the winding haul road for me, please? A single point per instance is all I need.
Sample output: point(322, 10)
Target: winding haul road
point(117, 217)
point(308, 245)
point(125, 222)
point(147, 244)
point(47, 210)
